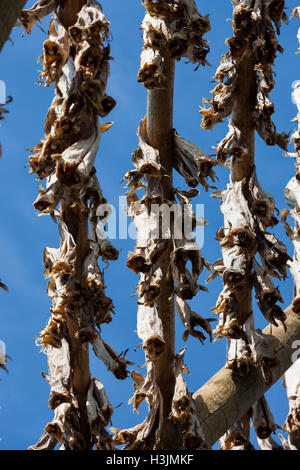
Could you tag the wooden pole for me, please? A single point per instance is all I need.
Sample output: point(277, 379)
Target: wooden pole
point(77, 223)
point(160, 136)
point(226, 397)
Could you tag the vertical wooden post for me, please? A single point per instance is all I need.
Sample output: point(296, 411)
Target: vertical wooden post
point(160, 136)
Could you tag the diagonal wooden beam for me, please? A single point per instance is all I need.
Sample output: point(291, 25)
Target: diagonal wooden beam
point(226, 397)
point(9, 11)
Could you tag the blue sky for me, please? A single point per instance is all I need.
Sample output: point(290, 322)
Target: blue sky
point(23, 236)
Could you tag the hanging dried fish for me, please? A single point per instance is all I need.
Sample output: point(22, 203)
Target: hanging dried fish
point(142, 436)
point(238, 357)
point(292, 196)
point(267, 296)
point(268, 444)
point(192, 163)
point(248, 210)
point(255, 37)
point(4, 111)
point(191, 320)
point(38, 11)
point(261, 351)
point(184, 411)
point(76, 59)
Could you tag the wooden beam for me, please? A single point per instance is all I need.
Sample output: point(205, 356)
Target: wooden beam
point(10, 9)
point(226, 397)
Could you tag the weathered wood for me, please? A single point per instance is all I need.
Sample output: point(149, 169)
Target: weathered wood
point(77, 223)
point(292, 197)
point(171, 30)
point(160, 136)
point(226, 397)
point(76, 286)
point(10, 9)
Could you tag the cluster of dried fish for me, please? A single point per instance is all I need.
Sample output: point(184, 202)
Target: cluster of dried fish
point(292, 423)
point(2, 112)
point(245, 79)
point(255, 24)
point(76, 60)
point(3, 358)
point(3, 286)
point(261, 415)
point(243, 236)
point(237, 438)
point(265, 425)
point(165, 222)
point(163, 250)
point(292, 196)
point(174, 27)
point(248, 210)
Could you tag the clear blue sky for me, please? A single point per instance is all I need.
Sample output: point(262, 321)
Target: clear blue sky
point(23, 236)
